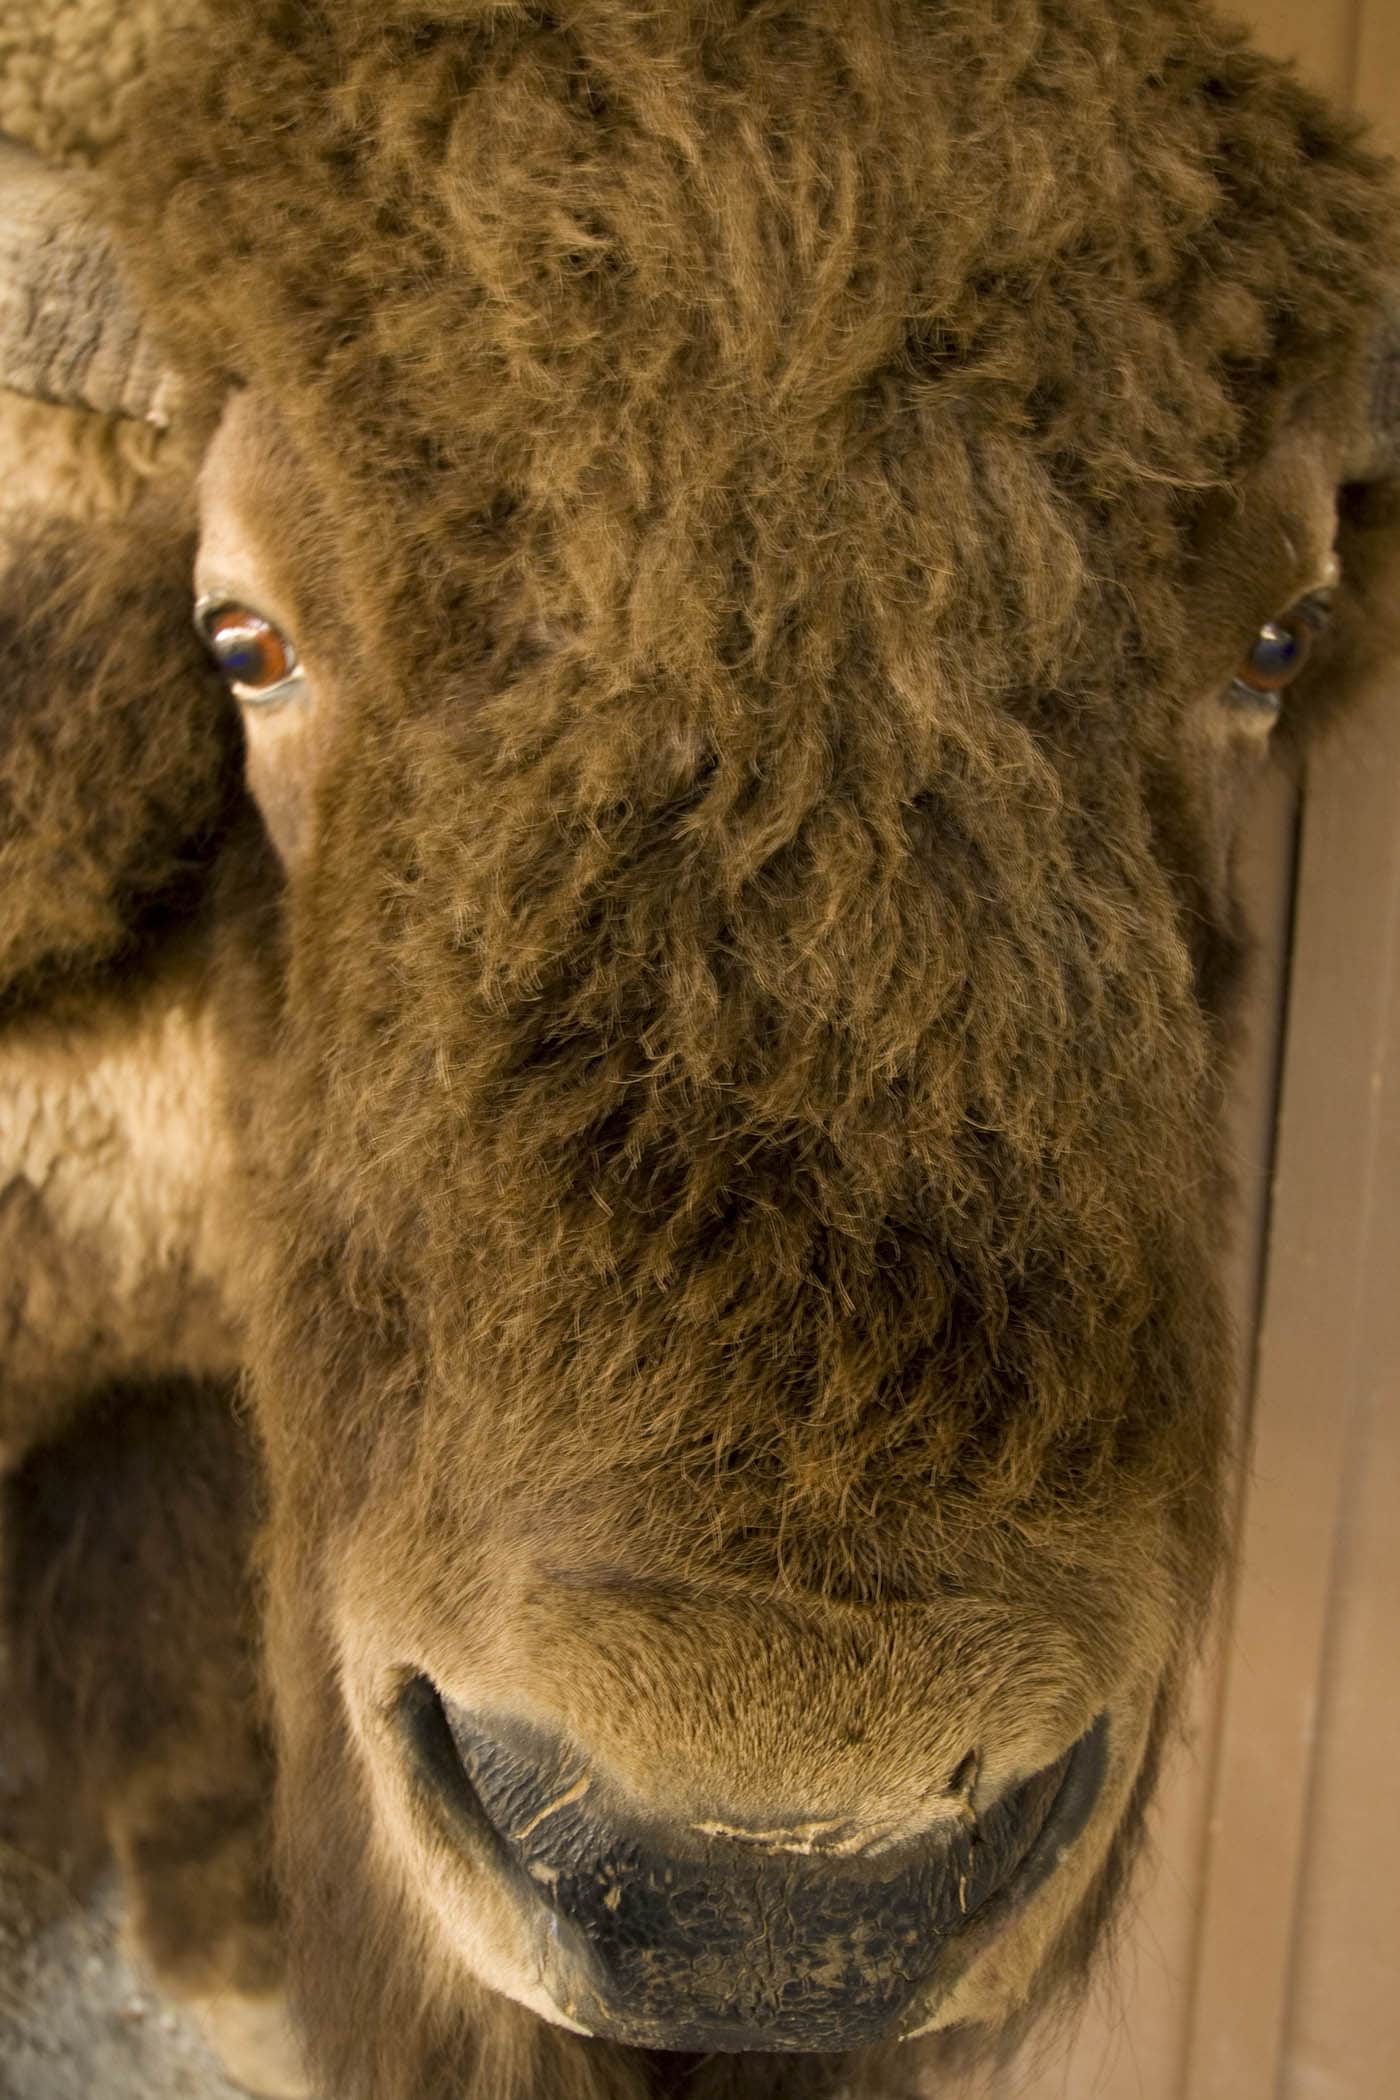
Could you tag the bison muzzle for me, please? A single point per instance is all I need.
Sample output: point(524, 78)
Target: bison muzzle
point(821, 1933)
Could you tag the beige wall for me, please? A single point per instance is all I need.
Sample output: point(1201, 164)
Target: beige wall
point(1263, 1961)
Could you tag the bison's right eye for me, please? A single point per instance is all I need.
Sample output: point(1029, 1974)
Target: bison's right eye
point(1282, 647)
point(257, 660)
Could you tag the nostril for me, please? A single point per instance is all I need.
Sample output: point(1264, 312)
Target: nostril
point(498, 1789)
point(434, 1755)
point(964, 1778)
point(513, 1777)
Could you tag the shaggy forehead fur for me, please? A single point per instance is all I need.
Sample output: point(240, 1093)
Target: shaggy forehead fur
point(759, 1032)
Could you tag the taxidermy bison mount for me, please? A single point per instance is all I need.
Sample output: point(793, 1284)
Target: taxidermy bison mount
point(618, 947)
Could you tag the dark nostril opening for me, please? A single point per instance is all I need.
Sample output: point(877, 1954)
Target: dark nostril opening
point(425, 1725)
point(964, 1776)
point(435, 1757)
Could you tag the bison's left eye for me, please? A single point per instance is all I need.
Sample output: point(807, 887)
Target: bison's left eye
point(257, 660)
point(1281, 649)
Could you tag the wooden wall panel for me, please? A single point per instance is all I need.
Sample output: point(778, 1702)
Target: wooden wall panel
point(1341, 2037)
point(1377, 72)
point(1321, 35)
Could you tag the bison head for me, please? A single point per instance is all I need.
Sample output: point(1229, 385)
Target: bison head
point(757, 548)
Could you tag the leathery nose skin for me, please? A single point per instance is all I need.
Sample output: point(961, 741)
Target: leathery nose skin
point(668, 1938)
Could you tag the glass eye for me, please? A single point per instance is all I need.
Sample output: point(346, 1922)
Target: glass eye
point(1281, 649)
point(258, 662)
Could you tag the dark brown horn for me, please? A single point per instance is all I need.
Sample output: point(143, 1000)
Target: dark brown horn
point(67, 332)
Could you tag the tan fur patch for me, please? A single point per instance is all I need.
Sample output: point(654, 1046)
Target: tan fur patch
point(69, 463)
point(254, 2040)
point(111, 1151)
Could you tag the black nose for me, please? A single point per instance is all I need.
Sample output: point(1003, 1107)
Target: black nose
point(675, 1937)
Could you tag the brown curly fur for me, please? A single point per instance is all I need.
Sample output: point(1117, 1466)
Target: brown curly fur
point(126, 1590)
point(107, 825)
point(733, 1100)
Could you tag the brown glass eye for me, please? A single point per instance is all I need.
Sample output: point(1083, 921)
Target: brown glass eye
point(255, 657)
point(1281, 649)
